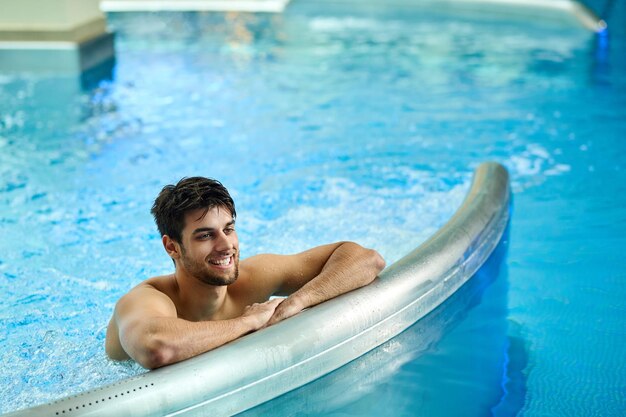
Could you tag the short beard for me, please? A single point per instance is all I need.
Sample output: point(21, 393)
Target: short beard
point(200, 272)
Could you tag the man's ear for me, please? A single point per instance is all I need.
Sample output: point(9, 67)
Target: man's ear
point(171, 247)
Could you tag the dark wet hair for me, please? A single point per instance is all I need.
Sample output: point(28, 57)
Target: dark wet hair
point(189, 194)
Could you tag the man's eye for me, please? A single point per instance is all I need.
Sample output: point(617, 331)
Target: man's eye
point(229, 230)
point(205, 236)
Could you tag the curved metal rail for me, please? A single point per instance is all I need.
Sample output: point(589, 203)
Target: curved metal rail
point(576, 8)
point(270, 362)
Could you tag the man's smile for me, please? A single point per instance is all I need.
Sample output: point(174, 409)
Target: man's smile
point(222, 262)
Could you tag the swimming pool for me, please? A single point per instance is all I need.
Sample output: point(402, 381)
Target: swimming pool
point(359, 123)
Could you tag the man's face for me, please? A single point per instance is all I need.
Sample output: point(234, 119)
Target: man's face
point(210, 249)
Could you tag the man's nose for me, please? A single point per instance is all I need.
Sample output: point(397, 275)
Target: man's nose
point(223, 242)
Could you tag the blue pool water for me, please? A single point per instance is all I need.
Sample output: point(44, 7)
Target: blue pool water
point(350, 121)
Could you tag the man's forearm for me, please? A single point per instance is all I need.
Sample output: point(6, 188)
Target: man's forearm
point(349, 267)
point(163, 341)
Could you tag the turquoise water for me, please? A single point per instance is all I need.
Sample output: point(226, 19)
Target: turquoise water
point(352, 122)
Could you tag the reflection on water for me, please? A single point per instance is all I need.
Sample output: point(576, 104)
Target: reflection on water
point(440, 366)
point(514, 379)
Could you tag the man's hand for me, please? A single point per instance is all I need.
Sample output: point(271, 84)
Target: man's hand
point(289, 307)
point(260, 313)
point(341, 268)
point(151, 333)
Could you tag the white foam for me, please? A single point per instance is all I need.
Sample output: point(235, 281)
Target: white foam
point(393, 221)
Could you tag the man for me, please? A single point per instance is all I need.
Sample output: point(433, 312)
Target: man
point(212, 298)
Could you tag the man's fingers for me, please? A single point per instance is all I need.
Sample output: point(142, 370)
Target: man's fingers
point(267, 304)
point(282, 312)
point(276, 302)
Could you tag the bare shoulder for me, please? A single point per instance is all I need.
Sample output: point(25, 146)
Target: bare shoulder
point(270, 274)
point(254, 284)
point(154, 296)
point(150, 298)
point(268, 263)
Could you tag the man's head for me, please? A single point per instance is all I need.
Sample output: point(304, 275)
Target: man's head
point(194, 193)
point(196, 220)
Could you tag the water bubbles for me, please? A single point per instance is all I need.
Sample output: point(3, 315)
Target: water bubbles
point(13, 121)
point(558, 169)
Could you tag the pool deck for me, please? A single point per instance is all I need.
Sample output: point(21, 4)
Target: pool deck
point(256, 6)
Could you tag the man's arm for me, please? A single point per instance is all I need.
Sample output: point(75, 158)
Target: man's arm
point(152, 335)
point(319, 274)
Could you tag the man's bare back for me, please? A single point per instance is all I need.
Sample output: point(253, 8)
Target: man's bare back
point(212, 298)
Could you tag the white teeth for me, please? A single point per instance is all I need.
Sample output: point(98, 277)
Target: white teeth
point(221, 262)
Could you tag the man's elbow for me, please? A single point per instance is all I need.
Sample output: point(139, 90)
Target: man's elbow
point(156, 354)
point(370, 259)
point(374, 261)
point(378, 261)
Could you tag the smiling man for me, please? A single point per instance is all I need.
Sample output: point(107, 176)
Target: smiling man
point(212, 298)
